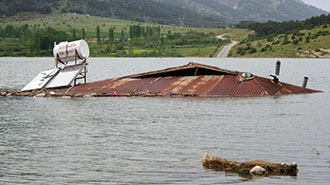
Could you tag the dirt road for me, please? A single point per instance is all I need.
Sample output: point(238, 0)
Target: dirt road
point(225, 51)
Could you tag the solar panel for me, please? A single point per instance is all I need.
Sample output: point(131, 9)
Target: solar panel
point(41, 80)
point(66, 76)
point(64, 53)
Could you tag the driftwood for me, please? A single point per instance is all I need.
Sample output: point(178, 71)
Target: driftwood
point(249, 168)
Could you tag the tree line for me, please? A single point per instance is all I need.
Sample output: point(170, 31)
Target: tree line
point(271, 28)
point(36, 41)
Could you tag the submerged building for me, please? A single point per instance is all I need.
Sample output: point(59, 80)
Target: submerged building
point(193, 79)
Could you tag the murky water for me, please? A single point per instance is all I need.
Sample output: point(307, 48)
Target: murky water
point(161, 140)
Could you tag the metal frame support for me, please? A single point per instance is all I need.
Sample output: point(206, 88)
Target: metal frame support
point(82, 74)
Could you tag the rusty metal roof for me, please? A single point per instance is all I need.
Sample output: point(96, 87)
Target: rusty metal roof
point(196, 80)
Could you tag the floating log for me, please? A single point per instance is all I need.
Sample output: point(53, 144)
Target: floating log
point(249, 168)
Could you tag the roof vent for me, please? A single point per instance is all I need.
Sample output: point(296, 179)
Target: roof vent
point(246, 76)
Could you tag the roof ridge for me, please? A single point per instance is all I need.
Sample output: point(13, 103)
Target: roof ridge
point(256, 79)
point(190, 65)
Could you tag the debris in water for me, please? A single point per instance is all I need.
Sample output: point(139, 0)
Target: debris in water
point(249, 168)
point(315, 151)
point(8, 92)
point(257, 171)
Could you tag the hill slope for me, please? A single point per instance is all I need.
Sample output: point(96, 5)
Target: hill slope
point(208, 13)
point(249, 10)
point(36, 37)
point(311, 43)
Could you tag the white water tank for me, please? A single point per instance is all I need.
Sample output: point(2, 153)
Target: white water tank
point(66, 51)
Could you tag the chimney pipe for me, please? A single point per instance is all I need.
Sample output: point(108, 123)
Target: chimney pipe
point(278, 68)
point(305, 82)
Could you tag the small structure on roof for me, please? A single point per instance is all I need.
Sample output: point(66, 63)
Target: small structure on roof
point(70, 61)
point(193, 79)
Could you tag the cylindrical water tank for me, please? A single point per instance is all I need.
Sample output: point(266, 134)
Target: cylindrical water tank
point(66, 51)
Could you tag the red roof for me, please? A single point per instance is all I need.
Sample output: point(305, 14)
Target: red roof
point(189, 80)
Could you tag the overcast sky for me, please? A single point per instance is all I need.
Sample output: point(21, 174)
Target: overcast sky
point(322, 4)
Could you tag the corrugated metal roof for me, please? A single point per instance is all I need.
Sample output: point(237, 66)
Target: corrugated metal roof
point(222, 86)
point(228, 84)
point(248, 88)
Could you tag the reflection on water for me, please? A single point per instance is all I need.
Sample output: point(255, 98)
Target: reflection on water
point(161, 140)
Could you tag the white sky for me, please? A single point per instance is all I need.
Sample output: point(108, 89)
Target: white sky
point(322, 4)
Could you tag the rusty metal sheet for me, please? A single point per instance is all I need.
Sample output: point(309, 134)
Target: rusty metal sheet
point(283, 91)
point(106, 86)
point(191, 85)
point(267, 84)
point(159, 84)
point(177, 86)
point(248, 88)
point(93, 87)
point(295, 89)
point(209, 85)
point(119, 83)
point(134, 85)
point(196, 85)
point(225, 87)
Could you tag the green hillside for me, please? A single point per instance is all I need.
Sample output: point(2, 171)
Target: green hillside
point(307, 43)
point(35, 37)
point(66, 22)
point(307, 38)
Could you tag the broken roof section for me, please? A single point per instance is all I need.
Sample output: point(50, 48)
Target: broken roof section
point(188, 80)
point(191, 69)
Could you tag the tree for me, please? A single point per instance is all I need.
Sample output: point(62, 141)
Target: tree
point(74, 34)
point(83, 33)
point(286, 40)
point(122, 35)
point(162, 41)
point(9, 31)
point(98, 34)
point(36, 43)
point(1, 32)
point(111, 36)
point(131, 32)
point(158, 31)
point(150, 32)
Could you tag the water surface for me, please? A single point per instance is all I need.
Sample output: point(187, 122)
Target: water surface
point(161, 140)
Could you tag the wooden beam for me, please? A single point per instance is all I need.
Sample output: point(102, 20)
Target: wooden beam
point(196, 71)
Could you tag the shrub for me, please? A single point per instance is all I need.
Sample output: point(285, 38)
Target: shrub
point(295, 42)
point(252, 50)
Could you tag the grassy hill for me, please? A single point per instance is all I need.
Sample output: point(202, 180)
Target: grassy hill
point(174, 41)
point(67, 21)
point(307, 43)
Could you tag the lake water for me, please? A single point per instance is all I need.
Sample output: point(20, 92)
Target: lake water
point(161, 140)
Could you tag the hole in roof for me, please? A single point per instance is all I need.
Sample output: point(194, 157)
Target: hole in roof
point(184, 72)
